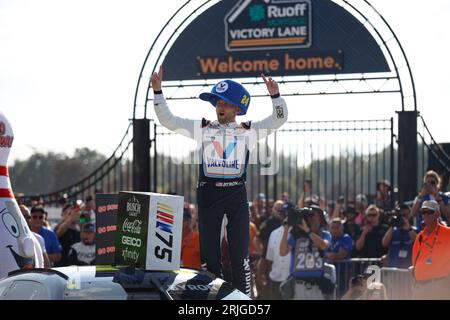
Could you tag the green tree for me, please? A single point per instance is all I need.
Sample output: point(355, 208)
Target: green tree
point(46, 172)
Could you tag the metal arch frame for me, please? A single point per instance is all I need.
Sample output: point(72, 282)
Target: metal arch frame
point(403, 53)
point(332, 78)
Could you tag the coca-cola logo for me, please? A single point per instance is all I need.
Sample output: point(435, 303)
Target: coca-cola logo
point(2, 128)
point(132, 226)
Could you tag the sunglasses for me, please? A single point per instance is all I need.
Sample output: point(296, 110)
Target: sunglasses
point(37, 217)
point(432, 182)
point(371, 215)
point(427, 212)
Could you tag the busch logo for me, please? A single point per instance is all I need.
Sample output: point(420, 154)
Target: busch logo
point(133, 207)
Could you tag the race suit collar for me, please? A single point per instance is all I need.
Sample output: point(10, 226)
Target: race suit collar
point(229, 125)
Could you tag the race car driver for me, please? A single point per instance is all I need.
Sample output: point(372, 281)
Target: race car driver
point(224, 147)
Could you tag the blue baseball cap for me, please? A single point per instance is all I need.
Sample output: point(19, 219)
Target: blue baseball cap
point(231, 92)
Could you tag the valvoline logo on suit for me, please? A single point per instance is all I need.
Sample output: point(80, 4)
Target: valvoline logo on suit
point(224, 156)
point(220, 151)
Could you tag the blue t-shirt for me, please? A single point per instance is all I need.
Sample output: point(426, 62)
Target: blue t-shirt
point(419, 218)
point(52, 244)
point(306, 257)
point(400, 250)
point(344, 242)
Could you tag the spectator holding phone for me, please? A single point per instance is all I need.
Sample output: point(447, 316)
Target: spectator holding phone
point(357, 288)
point(88, 210)
point(68, 231)
point(337, 209)
point(306, 193)
point(361, 205)
point(430, 191)
point(383, 197)
point(369, 243)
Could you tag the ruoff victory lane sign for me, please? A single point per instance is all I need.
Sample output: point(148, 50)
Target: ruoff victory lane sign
point(267, 25)
point(149, 230)
point(277, 37)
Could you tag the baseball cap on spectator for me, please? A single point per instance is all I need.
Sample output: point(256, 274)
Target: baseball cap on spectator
point(88, 227)
point(385, 182)
point(313, 200)
point(338, 221)
point(261, 196)
point(430, 205)
point(315, 207)
point(38, 209)
point(361, 198)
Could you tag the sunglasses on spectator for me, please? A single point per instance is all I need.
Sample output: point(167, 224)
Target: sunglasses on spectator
point(427, 212)
point(37, 217)
point(372, 215)
point(432, 182)
point(27, 217)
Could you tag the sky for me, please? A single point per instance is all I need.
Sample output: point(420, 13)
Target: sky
point(69, 69)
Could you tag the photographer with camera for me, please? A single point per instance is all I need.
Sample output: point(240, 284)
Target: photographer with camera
point(430, 191)
point(305, 238)
point(399, 238)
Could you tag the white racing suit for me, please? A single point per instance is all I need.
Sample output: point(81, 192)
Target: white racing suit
point(224, 155)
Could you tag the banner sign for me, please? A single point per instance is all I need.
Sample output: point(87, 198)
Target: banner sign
point(267, 26)
point(149, 230)
point(277, 37)
point(271, 63)
point(106, 227)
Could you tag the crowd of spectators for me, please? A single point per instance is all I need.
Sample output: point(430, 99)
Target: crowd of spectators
point(282, 253)
point(381, 230)
point(72, 240)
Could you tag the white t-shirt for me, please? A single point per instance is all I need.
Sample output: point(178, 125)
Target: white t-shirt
point(41, 241)
point(280, 265)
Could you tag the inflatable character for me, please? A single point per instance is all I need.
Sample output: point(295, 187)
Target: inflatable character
point(19, 248)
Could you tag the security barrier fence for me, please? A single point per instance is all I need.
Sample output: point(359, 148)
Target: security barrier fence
point(341, 158)
point(399, 283)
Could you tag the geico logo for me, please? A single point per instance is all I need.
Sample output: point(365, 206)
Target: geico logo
point(135, 242)
point(199, 287)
